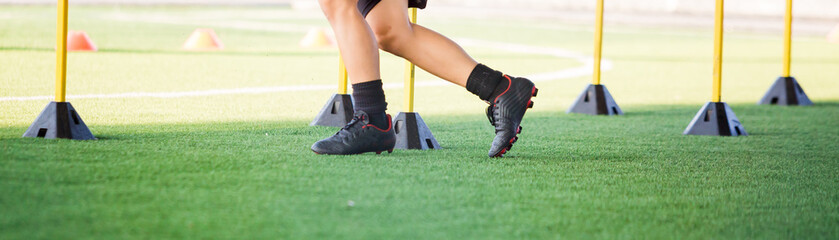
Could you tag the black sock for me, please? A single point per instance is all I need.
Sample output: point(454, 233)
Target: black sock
point(502, 87)
point(485, 82)
point(370, 98)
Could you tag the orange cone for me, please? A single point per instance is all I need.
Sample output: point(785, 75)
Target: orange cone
point(316, 37)
point(834, 35)
point(78, 41)
point(203, 39)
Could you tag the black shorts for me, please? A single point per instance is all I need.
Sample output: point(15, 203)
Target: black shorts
point(366, 5)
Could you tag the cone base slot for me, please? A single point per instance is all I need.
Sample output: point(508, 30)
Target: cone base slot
point(337, 112)
point(716, 119)
point(785, 92)
point(412, 133)
point(595, 100)
point(59, 120)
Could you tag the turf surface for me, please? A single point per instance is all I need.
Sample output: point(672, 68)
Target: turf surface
point(238, 166)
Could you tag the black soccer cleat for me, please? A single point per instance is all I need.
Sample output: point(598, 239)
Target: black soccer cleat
point(506, 111)
point(357, 137)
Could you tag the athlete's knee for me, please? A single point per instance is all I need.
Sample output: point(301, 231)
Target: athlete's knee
point(332, 8)
point(392, 37)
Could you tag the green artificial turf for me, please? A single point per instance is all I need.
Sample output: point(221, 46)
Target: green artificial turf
point(239, 165)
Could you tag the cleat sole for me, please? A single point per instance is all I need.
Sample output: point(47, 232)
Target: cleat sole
point(506, 149)
point(534, 92)
point(501, 154)
point(377, 153)
point(530, 104)
point(389, 151)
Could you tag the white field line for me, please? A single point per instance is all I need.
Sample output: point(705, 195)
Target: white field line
point(584, 70)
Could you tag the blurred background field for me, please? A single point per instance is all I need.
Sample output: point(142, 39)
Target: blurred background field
point(140, 52)
point(237, 165)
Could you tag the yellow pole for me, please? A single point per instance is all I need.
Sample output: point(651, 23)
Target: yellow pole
point(718, 31)
point(342, 76)
point(788, 39)
point(61, 53)
point(409, 74)
point(598, 42)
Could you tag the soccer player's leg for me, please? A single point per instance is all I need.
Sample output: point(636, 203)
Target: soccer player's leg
point(509, 97)
point(371, 129)
point(355, 39)
point(427, 49)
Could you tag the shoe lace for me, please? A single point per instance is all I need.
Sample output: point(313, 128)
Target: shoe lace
point(347, 129)
point(491, 114)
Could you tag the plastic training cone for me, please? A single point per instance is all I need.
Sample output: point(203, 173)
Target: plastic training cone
point(203, 39)
point(834, 35)
point(78, 41)
point(316, 37)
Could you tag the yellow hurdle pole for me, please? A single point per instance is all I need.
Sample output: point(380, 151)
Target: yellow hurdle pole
point(598, 42)
point(718, 31)
point(788, 39)
point(342, 76)
point(61, 53)
point(409, 74)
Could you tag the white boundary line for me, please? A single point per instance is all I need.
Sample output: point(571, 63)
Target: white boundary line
point(584, 70)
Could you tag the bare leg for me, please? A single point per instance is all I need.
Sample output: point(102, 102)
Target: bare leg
point(427, 49)
point(355, 39)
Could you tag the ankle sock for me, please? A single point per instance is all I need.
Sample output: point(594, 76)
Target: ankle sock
point(486, 82)
point(370, 98)
point(502, 87)
point(379, 120)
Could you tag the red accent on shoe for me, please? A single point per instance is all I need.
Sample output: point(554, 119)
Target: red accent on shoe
point(501, 154)
point(509, 83)
point(378, 152)
point(519, 130)
point(389, 125)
